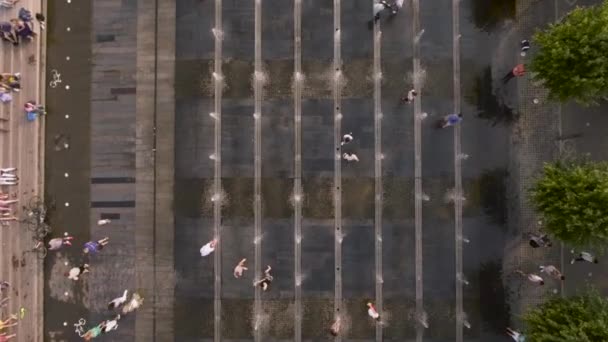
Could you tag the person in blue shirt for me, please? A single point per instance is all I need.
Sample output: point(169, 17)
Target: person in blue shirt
point(451, 120)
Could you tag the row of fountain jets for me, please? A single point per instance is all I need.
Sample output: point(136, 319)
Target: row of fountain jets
point(260, 78)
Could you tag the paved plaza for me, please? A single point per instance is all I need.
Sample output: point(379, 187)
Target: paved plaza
point(184, 121)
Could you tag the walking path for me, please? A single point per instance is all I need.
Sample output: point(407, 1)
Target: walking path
point(21, 143)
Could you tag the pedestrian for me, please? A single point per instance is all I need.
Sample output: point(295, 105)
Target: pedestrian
point(516, 336)
point(110, 325)
point(23, 29)
point(76, 272)
point(346, 138)
point(409, 96)
point(117, 302)
point(539, 240)
point(208, 248)
point(136, 302)
point(94, 332)
point(7, 32)
point(585, 256)
point(93, 247)
point(335, 327)
point(10, 322)
point(450, 120)
point(41, 20)
point(552, 271)
point(103, 222)
point(525, 46)
point(4, 285)
point(8, 3)
point(517, 71)
point(350, 157)
point(4, 337)
point(264, 283)
point(57, 243)
point(238, 270)
point(532, 277)
point(378, 7)
point(371, 311)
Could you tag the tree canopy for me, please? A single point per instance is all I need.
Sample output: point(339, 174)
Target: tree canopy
point(572, 61)
point(583, 318)
point(572, 198)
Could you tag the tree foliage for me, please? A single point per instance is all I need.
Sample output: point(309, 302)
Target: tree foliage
point(583, 318)
point(572, 61)
point(573, 201)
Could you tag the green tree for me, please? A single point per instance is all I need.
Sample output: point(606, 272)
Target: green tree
point(572, 198)
point(572, 60)
point(583, 318)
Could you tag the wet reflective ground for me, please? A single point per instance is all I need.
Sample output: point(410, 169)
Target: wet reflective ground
point(484, 139)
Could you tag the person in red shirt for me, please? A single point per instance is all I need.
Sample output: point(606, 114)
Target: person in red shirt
point(517, 71)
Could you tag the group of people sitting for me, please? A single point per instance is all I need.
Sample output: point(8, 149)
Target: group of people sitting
point(17, 29)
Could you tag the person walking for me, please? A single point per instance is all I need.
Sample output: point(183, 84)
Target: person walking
point(350, 157)
point(515, 335)
point(525, 46)
point(585, 257)
point(335, 327)
point(135, 302)
point(76, 272)
point(371, 311)
point(265, 282)
point(208, 248)
point(539, 240)
point(103, 222)
point(4, 337)
point(517, 71)
point(450, 120)
point(409, 96)
point(552, 271)
point(117, 302)
point(346, 139)
point(111, 324)
point(57, 243)
point(240, 267)
point(10, 322)
point(378, 7)
point(534, 278)
point(93, 247)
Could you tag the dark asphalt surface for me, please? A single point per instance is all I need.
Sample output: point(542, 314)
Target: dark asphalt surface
point(484, 174)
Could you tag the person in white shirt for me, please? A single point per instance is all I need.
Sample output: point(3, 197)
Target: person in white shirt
point(515, 335)
point(350, 157)
point(208, 248)
point(532, 277)
point(552, 271)
point(75, 272)
point(346, 139)
point(585, 256)
point(371, 311)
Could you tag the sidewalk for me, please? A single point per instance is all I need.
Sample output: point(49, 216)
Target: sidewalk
point(545, 132)
point(20, 146)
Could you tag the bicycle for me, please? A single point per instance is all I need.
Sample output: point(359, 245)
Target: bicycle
point(55, 78)
point(35, 212)
point(39, 248)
